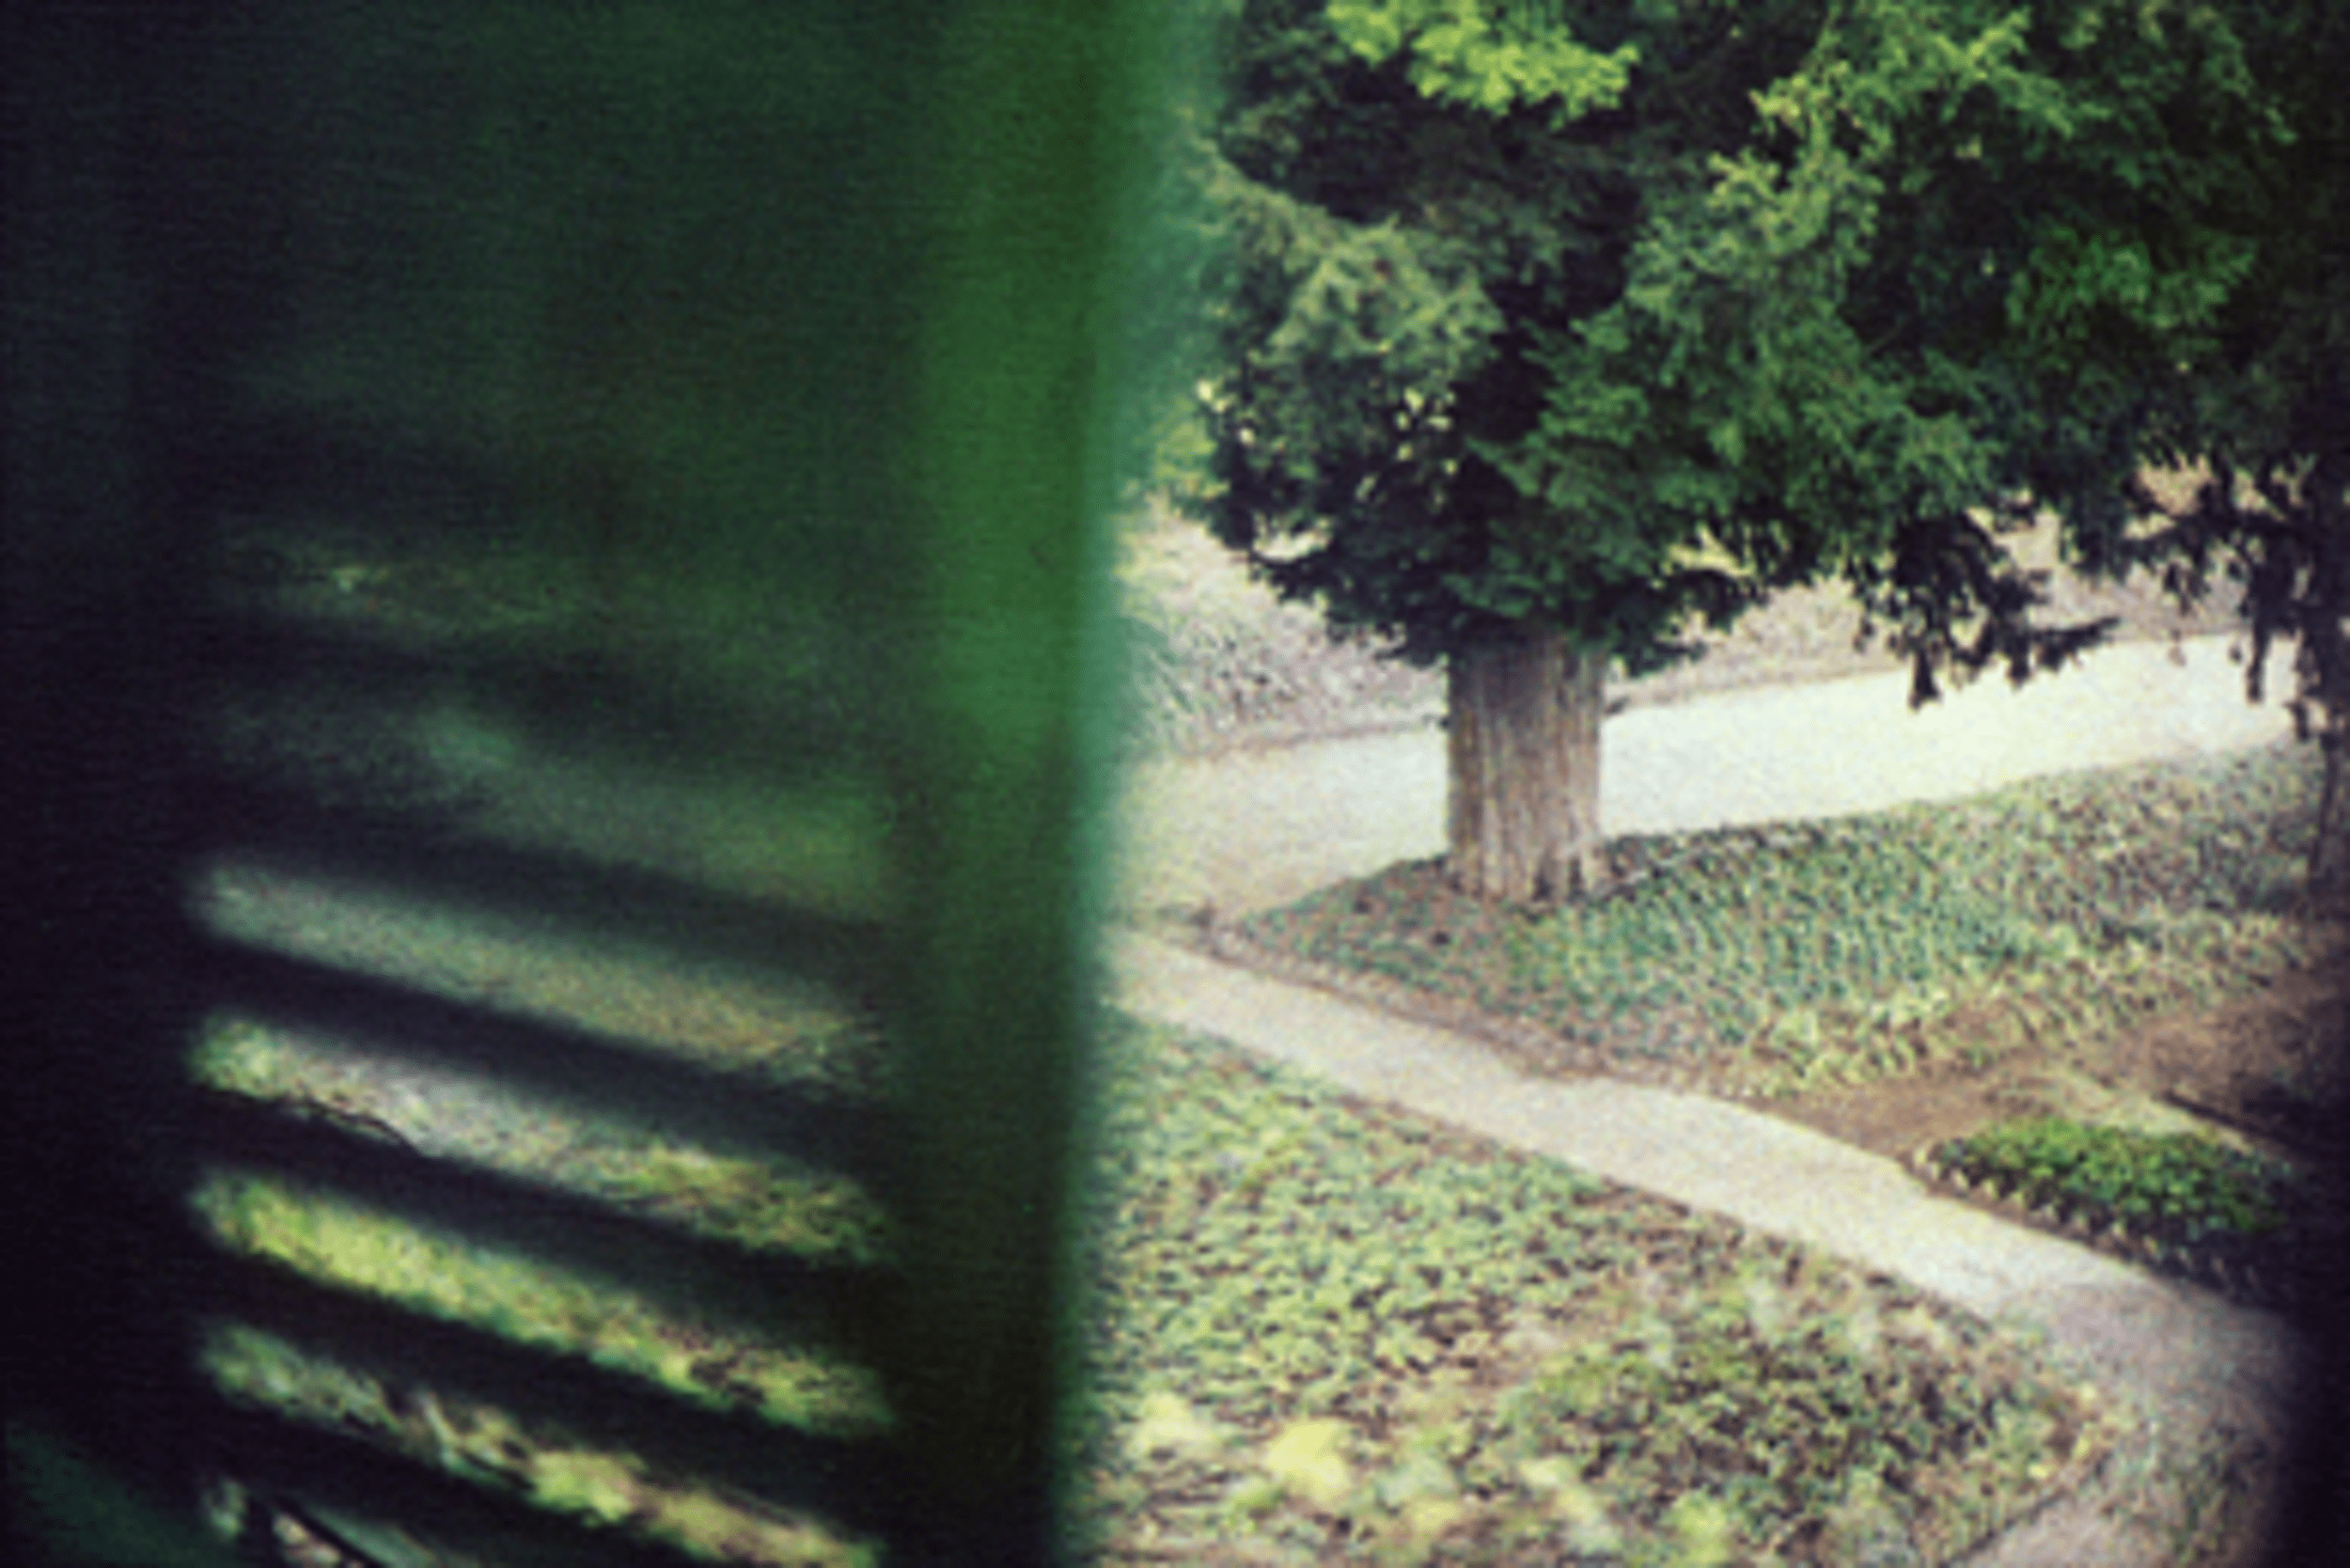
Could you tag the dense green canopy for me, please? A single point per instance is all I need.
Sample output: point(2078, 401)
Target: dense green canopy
point(1550, 329)
point(1601, 315)
point(1417, 213)
point(2260, 400)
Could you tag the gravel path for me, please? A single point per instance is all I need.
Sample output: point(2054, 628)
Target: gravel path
point(1250, 830)
point(1223, 665)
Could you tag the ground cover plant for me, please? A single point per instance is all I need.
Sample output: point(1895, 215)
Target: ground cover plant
point(1321, 1332)
point(2183, 1201)
point(1769, 961)
point(1324, 1332)
point(1317, 1328)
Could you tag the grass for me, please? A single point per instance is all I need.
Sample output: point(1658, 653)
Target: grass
point(1328, 1332)
point(1768, 960)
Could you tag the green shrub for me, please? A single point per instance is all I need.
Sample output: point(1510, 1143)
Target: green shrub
point(2171, 1184)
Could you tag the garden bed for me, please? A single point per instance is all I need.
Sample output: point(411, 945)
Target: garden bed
point(2127, 950)
point(1319, 1330)
point(2180, 1202)
point(1769, 961)
point(1330, 1332)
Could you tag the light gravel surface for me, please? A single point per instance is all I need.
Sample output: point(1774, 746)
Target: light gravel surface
point(1222, 664)
point(1253, 829)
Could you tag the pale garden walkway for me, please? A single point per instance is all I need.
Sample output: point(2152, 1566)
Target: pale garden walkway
point(1252, 831)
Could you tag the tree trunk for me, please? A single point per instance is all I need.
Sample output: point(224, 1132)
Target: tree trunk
point(2330, 743)
point(1523, 722)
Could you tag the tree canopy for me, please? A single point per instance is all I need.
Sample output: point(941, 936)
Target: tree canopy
point(2174, 197)
point(1726, 298)
point(1599, 318)
point(1419, 199)
point(2259, 400)
point(2051, 232)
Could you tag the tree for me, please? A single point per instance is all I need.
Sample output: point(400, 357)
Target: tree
point(2175, 206)
point(1932, 292)
point(2264, 408)
point(1552, 330)
point(1413, 192)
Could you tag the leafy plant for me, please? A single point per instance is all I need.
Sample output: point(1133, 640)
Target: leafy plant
point(1328, 1329)
point(1768, 960)
point(1317, 1324)
point(2174, 1184)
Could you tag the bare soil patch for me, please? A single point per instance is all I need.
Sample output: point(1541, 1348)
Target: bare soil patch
point(2265, 1071)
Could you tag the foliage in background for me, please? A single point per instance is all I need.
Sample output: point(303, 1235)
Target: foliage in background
point(762, 1201)
point(1514, 56)
point(644, 1334)
point(1576, 315)
point(2263, 402)
point(1772, 959)
point(1332, 1329)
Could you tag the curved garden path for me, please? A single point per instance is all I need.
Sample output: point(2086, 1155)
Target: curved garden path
point(1250, 830)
